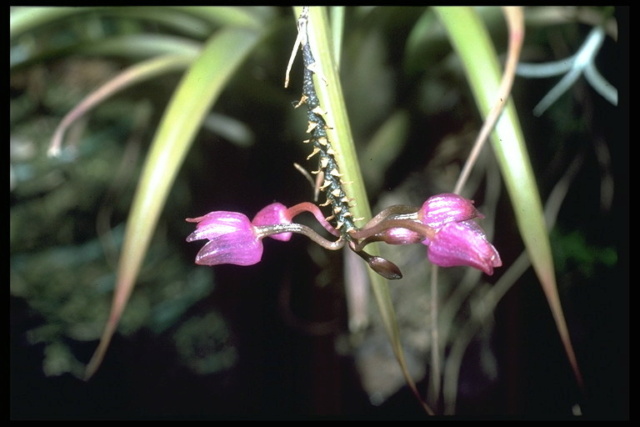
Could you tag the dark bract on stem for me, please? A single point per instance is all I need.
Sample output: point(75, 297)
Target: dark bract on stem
point(380, 265)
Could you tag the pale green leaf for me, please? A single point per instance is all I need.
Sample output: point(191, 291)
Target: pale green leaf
point(199, 89)
point(332, 100)
point(473, 45)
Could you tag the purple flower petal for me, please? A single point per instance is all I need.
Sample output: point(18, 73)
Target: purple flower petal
point(232, 239)
point(463, 243)
point(218, 223)
point(234, 248)
point(444, 208)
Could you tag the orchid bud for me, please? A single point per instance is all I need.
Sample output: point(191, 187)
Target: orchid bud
point(385, 268)
point(400, 236)
point(274, 214)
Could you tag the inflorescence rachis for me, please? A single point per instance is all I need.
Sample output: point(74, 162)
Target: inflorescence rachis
point(444, 223)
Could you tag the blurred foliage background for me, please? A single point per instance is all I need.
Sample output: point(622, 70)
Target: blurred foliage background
point(272, 340)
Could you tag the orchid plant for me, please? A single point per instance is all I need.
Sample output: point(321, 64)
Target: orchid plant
point(215, 47)
point(444, 224)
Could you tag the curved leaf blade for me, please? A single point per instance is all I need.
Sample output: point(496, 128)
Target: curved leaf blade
point(200, 87)
point(332, 100)
point(471, 41)
point(139, 72)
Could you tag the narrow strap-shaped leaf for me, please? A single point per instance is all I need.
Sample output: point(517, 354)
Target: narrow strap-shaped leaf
point(332, 100)
point(26, 19)
point(131, 47)
point(472, 43)
point(141, 71)
point(199, 89)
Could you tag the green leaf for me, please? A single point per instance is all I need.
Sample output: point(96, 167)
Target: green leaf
point(141, 71)
point(131, 47)
point(472, 43)
point(199, 89)
point(332, 101)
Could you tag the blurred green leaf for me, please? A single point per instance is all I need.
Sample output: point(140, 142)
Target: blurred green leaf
point(202, 84)
point(131, 47)
point(339, 131)
point(141, 71)
point(384, 148)
point(473, 44)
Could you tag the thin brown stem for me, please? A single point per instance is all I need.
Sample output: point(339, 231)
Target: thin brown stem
point(365, 236)
point(315, 210)
point(515, 21)
point(398, 211)
point(268, 230)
